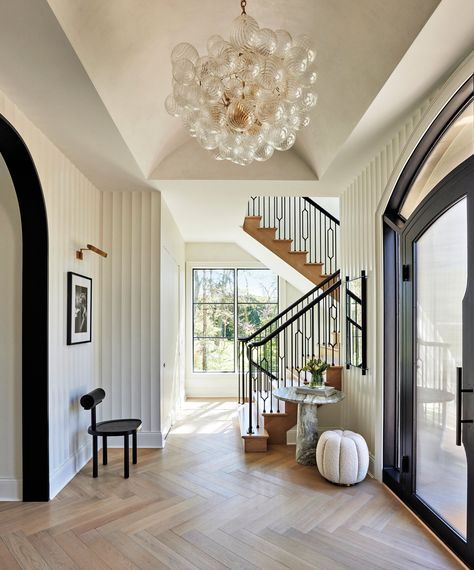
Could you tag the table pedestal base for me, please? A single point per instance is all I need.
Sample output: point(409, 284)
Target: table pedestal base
point(307, 434)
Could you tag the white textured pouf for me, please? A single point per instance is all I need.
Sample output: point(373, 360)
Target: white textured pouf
point(342, 457)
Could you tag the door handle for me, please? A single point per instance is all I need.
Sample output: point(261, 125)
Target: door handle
point(459, 393)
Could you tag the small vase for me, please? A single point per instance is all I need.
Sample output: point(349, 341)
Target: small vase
point(316, 380)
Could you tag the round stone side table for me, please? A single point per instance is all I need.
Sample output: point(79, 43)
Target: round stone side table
point(307, 423)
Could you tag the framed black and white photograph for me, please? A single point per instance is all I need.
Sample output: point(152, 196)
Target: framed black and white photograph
point(79, 308)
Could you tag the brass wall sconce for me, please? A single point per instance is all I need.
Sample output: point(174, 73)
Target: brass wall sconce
point(89, 247)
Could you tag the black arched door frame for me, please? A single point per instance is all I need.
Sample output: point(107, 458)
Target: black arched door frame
point(398, 411)
point(34, 227)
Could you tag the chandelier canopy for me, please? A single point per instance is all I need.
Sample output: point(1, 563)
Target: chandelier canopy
point(248, 96)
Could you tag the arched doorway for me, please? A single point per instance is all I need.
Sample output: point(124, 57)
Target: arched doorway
point(35, 423)
point(429, 332)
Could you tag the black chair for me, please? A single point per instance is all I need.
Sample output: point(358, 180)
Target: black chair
point(110, 428)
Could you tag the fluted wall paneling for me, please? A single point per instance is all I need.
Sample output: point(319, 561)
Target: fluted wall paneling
point(359, 205)
point(130, 310)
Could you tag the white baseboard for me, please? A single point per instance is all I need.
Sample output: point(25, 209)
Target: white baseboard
point(11, 489)
point(74, 464)
point(68, 470)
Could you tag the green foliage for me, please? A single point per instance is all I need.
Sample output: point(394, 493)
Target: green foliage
point(316, 366)
point(214, 316)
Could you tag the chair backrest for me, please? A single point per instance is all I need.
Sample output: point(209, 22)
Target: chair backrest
point(90, 401)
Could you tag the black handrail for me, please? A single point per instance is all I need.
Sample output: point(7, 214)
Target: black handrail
point(290, 307)
point(296, 316)
point(279, 359)
point(322, 210)
point(356, 319)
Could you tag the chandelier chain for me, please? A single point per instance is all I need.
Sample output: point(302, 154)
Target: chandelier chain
point(243, 4)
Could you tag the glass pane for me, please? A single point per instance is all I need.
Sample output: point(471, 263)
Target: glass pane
point(441, 258)
point(257, 286)
point(253, 316)
point(214, 285)
point(213, 355)
point(214, 321)
point(454, 147)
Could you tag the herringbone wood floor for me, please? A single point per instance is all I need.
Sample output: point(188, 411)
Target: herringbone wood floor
point(202, 503)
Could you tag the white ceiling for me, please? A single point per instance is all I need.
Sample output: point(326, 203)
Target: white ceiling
point(93, 75)
point(125, 47)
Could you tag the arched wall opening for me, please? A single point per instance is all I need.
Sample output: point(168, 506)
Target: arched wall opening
point(34, 318)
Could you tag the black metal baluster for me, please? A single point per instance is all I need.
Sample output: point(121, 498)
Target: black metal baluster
point(258, 387)
point(249, 356)
point(273, 370)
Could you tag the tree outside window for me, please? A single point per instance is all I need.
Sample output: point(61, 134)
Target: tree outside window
point(220, 308)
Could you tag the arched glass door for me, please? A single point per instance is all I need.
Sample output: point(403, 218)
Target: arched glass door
point(429, 329)
point(441, 277)
point(436, 339)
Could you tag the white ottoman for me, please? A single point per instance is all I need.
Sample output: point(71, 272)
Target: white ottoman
point(342, 457)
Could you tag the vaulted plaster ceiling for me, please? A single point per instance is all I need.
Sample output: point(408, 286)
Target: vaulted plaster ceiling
point(93, 75)
point(125, 46)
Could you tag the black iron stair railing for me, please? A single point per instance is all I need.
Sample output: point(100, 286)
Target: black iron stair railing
point(271, 326)
point(278, 359)
point(311, 228)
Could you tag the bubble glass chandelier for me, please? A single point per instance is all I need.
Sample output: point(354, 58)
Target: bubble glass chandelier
point(248, 96)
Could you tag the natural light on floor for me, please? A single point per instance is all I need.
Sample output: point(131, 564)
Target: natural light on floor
point(205, 417)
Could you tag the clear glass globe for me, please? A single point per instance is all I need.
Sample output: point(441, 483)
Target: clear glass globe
point(265, 41)
point(283, 43)
point(243, 31)
point(184, 51)
point(183, 72)
point(297, 60)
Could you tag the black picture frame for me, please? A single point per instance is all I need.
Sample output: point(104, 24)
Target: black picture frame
point(79, 308)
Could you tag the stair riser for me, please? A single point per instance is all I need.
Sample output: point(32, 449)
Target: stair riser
point(255, 445)
point(282, 248)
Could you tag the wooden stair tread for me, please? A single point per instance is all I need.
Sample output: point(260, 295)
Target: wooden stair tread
point(314, 263)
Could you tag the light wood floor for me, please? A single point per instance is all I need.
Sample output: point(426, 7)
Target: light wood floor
point(202, 503)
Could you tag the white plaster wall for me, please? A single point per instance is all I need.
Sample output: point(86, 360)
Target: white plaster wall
point(216, 252)
point(172, 244)
point(10, 338)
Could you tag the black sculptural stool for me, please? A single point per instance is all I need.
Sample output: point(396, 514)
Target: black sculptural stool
point(110, 428)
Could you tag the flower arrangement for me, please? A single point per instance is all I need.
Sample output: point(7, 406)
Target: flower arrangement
point(316, 367)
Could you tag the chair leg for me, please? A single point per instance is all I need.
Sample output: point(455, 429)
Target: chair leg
point(104, 450)
point(95, 461)
point(134, 440)
point(126, 458)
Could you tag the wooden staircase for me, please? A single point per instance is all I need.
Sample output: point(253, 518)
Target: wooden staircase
point(300, 224)
point(283, 248)
point(274, 425)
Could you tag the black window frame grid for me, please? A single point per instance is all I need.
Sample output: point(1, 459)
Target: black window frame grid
point(235, 304)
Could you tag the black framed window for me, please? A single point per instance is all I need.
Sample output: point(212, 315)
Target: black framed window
point(226, 300)
point(213, 320)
